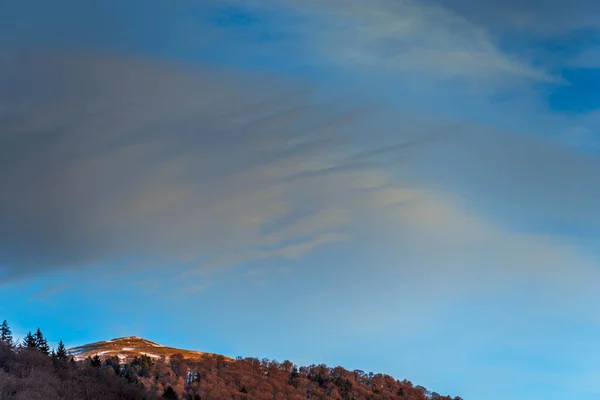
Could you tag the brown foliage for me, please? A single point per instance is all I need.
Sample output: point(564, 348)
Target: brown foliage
point(29, 375)
point(212, 378)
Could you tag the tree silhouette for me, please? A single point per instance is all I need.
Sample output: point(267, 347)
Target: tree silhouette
point(170, 394)
point(41, 343)
point(95, 361)
point(5, 333)
point(61, 351)
point(29, 341)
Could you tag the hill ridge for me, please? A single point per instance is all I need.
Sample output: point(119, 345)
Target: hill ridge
point(128, 347)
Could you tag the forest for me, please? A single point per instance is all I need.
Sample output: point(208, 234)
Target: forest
point(31, 370)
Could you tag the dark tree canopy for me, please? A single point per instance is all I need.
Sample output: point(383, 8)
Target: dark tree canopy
point(61, 351)
point(29, 341)
point(27, 374)
point(40, 342)
point(170, 394)
point(95, 361)
point(6, 334)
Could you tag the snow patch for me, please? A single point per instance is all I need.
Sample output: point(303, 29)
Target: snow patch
point(77, 350)
point(127, 349)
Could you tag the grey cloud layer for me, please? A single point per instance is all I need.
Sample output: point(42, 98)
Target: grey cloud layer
point(108, 158)
point(536, 16)
point(105, 159)
point(522, 181)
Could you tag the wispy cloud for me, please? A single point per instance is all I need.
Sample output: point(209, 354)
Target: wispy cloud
point(202, 167)
point(589, 58)
point(45, 294)
point(109, 158)
point(536, 17)
point(425, 38)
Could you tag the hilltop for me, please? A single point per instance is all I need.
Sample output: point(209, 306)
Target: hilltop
point(130, 347)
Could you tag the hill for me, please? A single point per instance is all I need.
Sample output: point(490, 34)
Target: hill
point(133, 368)
point(128, 348)
point(189, 374)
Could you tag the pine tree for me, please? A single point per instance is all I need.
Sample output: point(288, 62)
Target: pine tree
point(170, 394)
point(6, 334)
point(29, 341)
point(41, 343)
point(96, 361)
point(61, 351)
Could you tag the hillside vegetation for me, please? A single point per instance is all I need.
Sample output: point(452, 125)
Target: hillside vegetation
point(31, 371)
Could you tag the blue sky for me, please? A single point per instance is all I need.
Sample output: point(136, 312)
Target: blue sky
point(397, 186)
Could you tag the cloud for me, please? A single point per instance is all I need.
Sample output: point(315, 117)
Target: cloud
point(149, 285)
point(109, 159)
point(524, 181)
point(423, 38)
point(112, 158)
point(589, 58)
point(545, 17)
point(46, 293)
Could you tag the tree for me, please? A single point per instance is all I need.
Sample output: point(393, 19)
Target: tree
point(5, 333)
point(294, 377)
point(114, 363)
point(53, 357)
point(61, 351)
point(41, 343)
point(286, 366)
point(95, 361)
point(29, 341)
point(170, 394)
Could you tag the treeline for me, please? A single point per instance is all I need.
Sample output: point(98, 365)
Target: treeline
point(214, 378)
point(30, 371)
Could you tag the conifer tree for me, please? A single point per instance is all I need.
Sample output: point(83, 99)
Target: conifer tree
point(41, 343)
point(29, 341)
point(61, 351)
point(96, 361)
point(5, 333)
point(170, 394)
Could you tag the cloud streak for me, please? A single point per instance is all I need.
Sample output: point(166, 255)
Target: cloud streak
point(114, 158)
point(108, 159)
point(105, 159)
point(425, 39)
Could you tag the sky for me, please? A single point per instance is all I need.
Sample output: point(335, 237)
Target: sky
point(406, 187)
